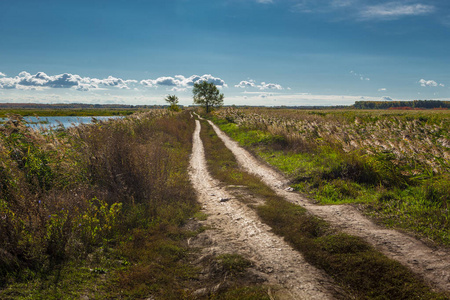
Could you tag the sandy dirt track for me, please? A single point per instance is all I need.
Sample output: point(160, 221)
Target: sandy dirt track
point(236, 229)
point(432, 264)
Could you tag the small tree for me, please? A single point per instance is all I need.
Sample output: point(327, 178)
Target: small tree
point(173, 101)
point(207, 95)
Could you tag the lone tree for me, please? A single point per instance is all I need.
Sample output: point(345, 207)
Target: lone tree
point(207, 95)
point(173, 101)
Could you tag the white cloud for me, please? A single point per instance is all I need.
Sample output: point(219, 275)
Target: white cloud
point(304, 6)
point(325, 6)
point(270, 86)
point(424, 82)
point(2, 74)
point(147, 82)
point(364, 10)
point(168, 81)
point(40, 81)
point(395, 10)
point(7, 83)
point(382, 90)
point(244, 84)
point(110, 82)
point(207, 77)
point(181, 82)
point(262, 86)
point(177, 89)
point(85, 87)
point(430, 83)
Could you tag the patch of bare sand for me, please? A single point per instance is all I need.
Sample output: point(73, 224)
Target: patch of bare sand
point(433, 264)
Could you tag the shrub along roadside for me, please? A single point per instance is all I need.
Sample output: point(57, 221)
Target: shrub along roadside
point(355, 265)
point(400, 193)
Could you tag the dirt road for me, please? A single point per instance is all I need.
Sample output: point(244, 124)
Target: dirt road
point(237, 229)
point(432, 264)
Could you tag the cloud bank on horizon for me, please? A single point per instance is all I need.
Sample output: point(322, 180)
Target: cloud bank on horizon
point(244, 91)
point(41, 81)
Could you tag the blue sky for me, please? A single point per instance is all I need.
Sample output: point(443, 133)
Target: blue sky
point(259, 52)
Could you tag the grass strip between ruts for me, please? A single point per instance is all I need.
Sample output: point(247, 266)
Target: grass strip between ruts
point(354, 264)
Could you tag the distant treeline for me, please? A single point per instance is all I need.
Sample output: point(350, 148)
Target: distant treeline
point(416, 104)
point(71, 106)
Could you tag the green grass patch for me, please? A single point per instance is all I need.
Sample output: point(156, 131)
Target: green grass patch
point(413, 209)
point(158, 266)
point(201, 216)
point(74, 280)
point(355, 265)
point(399, 192)
point(233, 263)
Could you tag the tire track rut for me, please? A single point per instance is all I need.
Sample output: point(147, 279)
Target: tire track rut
point(433, 264)
point(237, 229)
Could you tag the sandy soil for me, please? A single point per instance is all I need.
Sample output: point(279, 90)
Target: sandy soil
point(235, 228)
point(433, 264)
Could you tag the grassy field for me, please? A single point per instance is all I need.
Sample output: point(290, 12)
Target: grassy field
point(395, 163)
point(362, 271)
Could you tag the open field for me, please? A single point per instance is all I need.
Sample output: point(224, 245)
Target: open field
point(359, 269)
point(395, 163)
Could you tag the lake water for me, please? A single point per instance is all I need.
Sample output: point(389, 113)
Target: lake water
point(47, 122)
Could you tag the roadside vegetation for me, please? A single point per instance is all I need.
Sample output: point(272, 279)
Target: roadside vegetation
point(96, 210)
point(360, 270)
point(396, 164)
